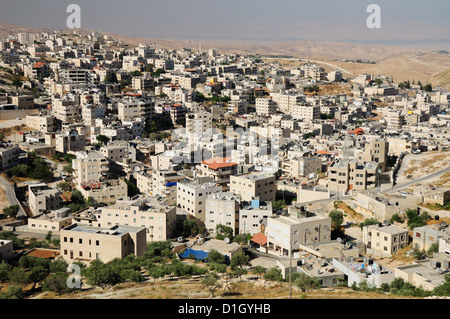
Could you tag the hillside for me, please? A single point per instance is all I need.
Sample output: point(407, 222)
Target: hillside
point(429, 67)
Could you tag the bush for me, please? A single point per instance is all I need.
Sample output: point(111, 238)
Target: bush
point(415, 220)
point(13, 292)
point(306, 283)
point(368, 222)
point(56, 283)
point(11, 211)
point(273, 274)
point(396, 218)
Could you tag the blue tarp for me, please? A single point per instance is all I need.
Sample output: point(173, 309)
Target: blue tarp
point(171, 184)
point(199, 254)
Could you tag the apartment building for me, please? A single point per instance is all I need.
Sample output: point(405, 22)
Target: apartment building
point(199, 122)
point(89, 113)
point(23, 102)
point(66, 110)
point(164, 183)
point(384, 239)
point(69, 141)
point(287, 101)
point(306, 112)
point(9, 155)
point(347, 175)
point(253, 215)
point(158, 219)
point(305, 166)
point(220, 169)
point(143, 83)
point(375, 151)
point(81, 242)
point(286, 233)
point(42, 198)
point(104, 192)
point(54, 221)
point(90, 166)
point(191, 197)
point(41, 123)
point(254, 186)
point(265, 106)
point(75, 75)
point(222, 208)
point(428, 235)
point(134, 108)
point(395, 119)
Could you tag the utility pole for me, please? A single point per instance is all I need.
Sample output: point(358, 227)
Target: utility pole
point(290, 266)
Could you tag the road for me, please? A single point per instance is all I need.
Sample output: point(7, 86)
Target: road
point(417, 180)
point(314, 61)
point(11, 196)
point(11, 123)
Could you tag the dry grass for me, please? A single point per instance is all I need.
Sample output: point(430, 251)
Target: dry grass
point(351, 213)
point(192, 289)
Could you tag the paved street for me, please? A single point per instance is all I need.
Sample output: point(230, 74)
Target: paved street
point(10, 196)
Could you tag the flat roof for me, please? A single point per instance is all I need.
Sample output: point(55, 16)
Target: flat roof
point(117, 230)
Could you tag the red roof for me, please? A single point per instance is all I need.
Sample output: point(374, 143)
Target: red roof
point(219, 162)
point(259, 239)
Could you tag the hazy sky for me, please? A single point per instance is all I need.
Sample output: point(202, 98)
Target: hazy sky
point(402, 21)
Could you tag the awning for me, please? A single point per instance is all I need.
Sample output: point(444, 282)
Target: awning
point(259, 239)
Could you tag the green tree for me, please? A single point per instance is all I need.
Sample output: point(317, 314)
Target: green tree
point(434, 248)
point(18, 276)
point(307, 283)
point(68, 168)
point(20, 170)
point(273, 274)
point(211, 283)
point(337, 218)
point(259, 271)
point(64, 186)
point(4, 270)
point(156, 272)
point(224, 231)
point(418, 253)
point(58, 266)
point(103, 139)
point(13, 292)
point(368, 222)
point(11, 211)
point(278, 205)
point(239, 260)
point(396, 218)
point(216, 257)
point(102, 275)
point(56, 283)
point(37, 275)
point(444, 288)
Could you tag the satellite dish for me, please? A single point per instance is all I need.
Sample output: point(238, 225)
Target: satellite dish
point(339, 240)
point(137, 169)
point(227, 240)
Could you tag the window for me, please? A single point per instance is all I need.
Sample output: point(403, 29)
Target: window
point(418, 235)
point(65, 239)
point(80, 241)
point(385, 238)
point(71, 240)
point(97, 243)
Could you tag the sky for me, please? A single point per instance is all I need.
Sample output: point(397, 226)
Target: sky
point(402, 21)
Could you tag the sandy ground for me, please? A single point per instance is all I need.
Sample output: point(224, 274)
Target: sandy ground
point(419, 165)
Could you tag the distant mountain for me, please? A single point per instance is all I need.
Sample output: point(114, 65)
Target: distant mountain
point(401, 62)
